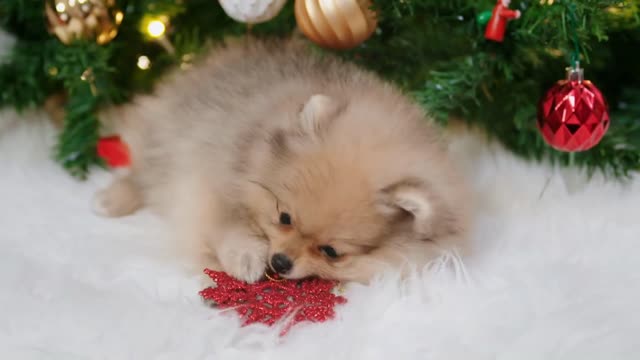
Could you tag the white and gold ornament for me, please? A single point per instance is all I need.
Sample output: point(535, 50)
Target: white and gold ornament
point(83, 19)
point(252, 11)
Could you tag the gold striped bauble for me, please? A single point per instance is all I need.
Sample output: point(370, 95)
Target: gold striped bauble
point(336, 24)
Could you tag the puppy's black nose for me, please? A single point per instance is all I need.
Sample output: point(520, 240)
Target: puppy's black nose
point(281, 263)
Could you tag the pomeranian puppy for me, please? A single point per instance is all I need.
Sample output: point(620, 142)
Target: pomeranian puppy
point(266, 155)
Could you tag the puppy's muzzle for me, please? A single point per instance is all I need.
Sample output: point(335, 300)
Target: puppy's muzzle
point(281, 264)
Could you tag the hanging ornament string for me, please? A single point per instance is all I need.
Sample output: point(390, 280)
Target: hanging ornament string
point(572, 20)
point(575, 54)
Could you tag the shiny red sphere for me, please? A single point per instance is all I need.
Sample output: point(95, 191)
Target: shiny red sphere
point(573, 116)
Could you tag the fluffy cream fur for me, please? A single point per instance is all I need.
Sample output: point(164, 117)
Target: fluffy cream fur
point(262, 130)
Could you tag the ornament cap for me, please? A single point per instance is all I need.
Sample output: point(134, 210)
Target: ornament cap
point(575, 73)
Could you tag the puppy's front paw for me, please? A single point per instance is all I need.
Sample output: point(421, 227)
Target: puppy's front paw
point(244, 258)
point(103, 204)
point(119, 199)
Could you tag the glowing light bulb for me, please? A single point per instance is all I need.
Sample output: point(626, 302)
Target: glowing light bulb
point(143, 62)
point(156, 28)
point(60, 7)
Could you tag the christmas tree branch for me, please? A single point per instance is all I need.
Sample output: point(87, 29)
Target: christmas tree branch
point(83, 68)
point(435, 50)
point(24, 81)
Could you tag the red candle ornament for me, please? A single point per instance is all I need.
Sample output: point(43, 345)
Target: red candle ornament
point(274, 299)
point(497, 25)
point(573, 115)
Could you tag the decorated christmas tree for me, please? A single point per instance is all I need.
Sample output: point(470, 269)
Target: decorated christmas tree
point(486, 63)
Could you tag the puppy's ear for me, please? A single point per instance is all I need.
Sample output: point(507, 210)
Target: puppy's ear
point(412, 198)
point(317, 112)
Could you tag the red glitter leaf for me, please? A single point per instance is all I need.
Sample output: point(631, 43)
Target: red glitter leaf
point(268, 302)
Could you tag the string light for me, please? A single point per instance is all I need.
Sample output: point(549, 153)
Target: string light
point(156, 28)
point(143, 62)
point(119, 16)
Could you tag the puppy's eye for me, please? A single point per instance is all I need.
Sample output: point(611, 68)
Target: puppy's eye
point(285, 218)
point(328, 251)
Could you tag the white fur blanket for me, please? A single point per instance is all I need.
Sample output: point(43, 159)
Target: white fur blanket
point(554, 275)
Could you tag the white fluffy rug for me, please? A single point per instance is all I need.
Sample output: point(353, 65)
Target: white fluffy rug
point(553, 276)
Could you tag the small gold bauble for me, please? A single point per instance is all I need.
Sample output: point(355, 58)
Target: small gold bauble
point(83, 19)
point(337, 24)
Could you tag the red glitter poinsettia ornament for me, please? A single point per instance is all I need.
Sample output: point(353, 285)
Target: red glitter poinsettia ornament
point(272, 300)
point(573, 115)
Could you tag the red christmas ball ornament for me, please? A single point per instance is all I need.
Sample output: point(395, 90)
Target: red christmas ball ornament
point(573, 115)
